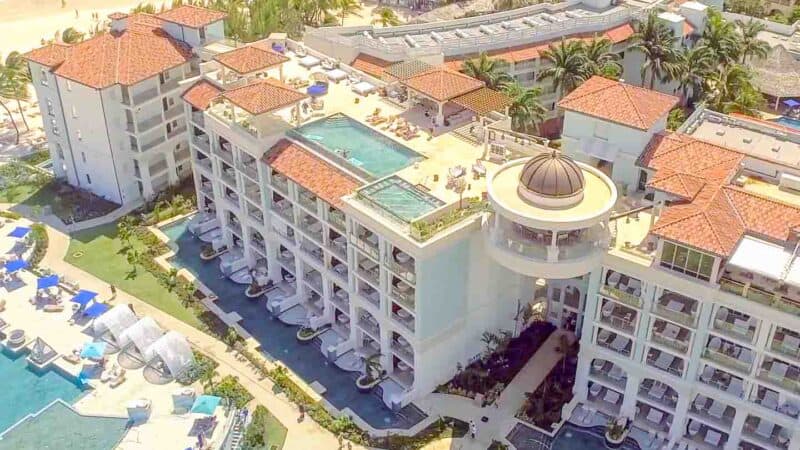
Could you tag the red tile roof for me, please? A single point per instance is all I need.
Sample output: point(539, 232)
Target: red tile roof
point(192, 16)
point(200, 94)
point(50, 55)
point(618, 102)
point(249, 59)
point(141, 51)
point(370, 64)
point(442, 84)
point(712, 215)
point(117, 15)
point(301, 166)
point(263, 95)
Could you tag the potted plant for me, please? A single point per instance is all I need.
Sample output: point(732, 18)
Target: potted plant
point(373, 373)
point(307, 334)
point(616, 432)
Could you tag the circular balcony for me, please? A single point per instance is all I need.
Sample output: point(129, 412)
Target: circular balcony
point(545, 254)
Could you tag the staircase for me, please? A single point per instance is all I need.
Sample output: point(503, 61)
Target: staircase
point(234, 440)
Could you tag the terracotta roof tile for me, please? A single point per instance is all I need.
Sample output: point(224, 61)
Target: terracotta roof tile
point(442, 84)
point(301, 166)
point(370, 64)
point(117, 15)
point(263, 95)
point(619, 102)
point(141, 51)
point(192, 16)
point(200, 94)
point(249, 59)
point(50, 55)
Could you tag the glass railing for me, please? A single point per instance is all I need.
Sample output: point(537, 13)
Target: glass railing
point(403, 351)
point(402, 270)
point(407, 299)
point(726, 360)
point(308, 203)
point(619, 323)
point(760, 295)
point(336, 218)
point(677, 316)
point(281, 185)
point(367, 247)
point(732, 330)
point(618, 294)
point(783, 381)
point(672, 343)
point(370, 328)
point(144, 96)
point(371, 275)
point(780, 347)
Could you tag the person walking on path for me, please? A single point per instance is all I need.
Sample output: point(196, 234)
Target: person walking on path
point(473, 429)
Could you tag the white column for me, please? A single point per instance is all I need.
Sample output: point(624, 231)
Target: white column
point(679, 421)
point(440, 114)
point(581, 387)
point(794, 443)
point(736, 429)
point(629, 402)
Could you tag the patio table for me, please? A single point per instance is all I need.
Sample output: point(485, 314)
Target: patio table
point(713, 437)
point(611, 397)
point(674, 305)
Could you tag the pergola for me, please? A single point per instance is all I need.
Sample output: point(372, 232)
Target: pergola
point(250, 60)
point(777, 75)
point(248, 106)
point(440, 86)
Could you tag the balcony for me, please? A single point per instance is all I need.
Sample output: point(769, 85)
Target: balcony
point(404, 294)
point(677, 308)
point(339, 270)
point(760, 295)
point(764, 432)
point(729, 355)
point(665, 362)
point(173, 112)
point(256, 215)
point(608, 372)
point(650, 418)
point(623, 288)
point(169, 85)
point(313, 251)
point(401, 347)
point(250, 170)
point(786, 342)
point(340, 299)
point(337, 244)
point(160, 139)
point(403, 317)
point(618, 317)
point(198, 118)
point(713, 411)
point(201, 141)
point(614, 342)
point(370, 271)
point(143, 96)
point(312, 227)
point(287, 233)
point(286, 259)
point(228, 175)
point(403, 265)
point(225, 154)
point(259, 245)
point(176, 131)
point(722, 380)
point(658, 392)
point(705, 437)
point(314, 280)
point(204, 164)
point(780, 374)
point(233, 200)
point(604, 399)
point(367, 242)
point(280, 183)
point(284, 209)
point(735, 325)
point(369, 325)
point(671, 335)
point(770, 399)
point(254, 195)
point(207, 189)
point(369, 294)
point(308, 201)
point(337, 219)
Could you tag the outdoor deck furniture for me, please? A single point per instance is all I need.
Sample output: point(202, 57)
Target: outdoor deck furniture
point(713, 437)
point(308, 61)
point(655, 416)
point(716, 410)
point(694, 428)
point(619, 343)
point(765, 429)
point(72, 358)
point(595, 389)
point(657, 391)
point(58, 307)
point(770, 400)
point(611, 397)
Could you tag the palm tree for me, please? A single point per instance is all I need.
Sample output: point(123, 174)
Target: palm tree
point(721, 37)
point(19, 79)
point(657, 44)
point(7, 90)
point(525, 110)
point(505, 5)
point(347, 8)
point(487, 70)
point(71, 36)
point(726, 84)
point(567, 65)
point(749, 43)
point(600, 59)
point(386, 17)
point(747, 101)
point(693, 66)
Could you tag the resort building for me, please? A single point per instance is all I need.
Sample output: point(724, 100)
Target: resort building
point(111, 104)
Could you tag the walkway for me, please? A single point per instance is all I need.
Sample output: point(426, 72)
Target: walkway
point(501, 414)
point(301, 436)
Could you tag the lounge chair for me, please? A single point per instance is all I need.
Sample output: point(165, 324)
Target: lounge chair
point(2, 305)
point(53, 308)
point(72, 358)
point(118, 380)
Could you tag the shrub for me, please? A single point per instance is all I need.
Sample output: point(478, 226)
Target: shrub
point(40, 243)
point(257, 435)
point(202, 368)
point(10, 215)
point(230, 389)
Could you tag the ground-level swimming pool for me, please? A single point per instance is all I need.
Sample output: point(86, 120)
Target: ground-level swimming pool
point(59, 427)
point(279, 342)
point(24, 391)
point(569, 437)
point(355, 144)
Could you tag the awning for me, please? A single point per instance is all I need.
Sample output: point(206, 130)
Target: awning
point(19, 232)
point(600, 149)
point(791, 103)
point(83, 297)
point(47, 282)
point(761, 257)
point(15, 265)
point(96, 310)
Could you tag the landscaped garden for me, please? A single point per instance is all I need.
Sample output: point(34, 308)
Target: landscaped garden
point(543, 406)
point(264, 432)
point(504, 357)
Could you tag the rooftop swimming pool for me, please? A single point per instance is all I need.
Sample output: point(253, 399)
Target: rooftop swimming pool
point(365, 151)
point(787, 122)
point(400, 198)
point(59, 427)
point(29, 391)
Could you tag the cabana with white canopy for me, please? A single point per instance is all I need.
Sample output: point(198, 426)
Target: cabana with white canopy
point(135, 340)
point(171, 354)
point(114, 322)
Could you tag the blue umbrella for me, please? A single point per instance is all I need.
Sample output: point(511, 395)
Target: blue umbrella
point(791, 103)
point(96, 310)
point(83, 297)
point(93, 350)
point(205, 404)
point(15, 265)
point(47, 282)
point(19, 232)
point(316, 90)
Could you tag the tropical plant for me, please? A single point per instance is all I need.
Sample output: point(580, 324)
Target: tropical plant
point(752, 8)
point(692, 67)
point(721, 37)
point(487, 70)
point(146, 8)
point(657, 44)
point(71, 36)
point(600, 59)
point(347, 8)
point(730, 89)
point(20, 78)
point(525, 110)
point(749, 43)
point(676, 118)
point(386, 17)
point(505, 5)
point(616, 427)
point(567, 65)
point(373, 369)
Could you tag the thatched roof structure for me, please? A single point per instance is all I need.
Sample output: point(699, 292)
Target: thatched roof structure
point(777, 75)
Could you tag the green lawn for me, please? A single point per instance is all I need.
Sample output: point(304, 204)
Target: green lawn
point(276, 433)
point(272, 432)
point(96, 251)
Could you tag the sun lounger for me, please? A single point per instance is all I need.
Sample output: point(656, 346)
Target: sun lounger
point(72, 358)
point(118, 380)
point(53, 308)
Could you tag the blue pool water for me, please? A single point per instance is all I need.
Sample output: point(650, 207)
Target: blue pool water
point(400, 198)
point(23, 391)
point(361, 148)
point(570, 438)
point(788, 122)
point(279, 342)
point(60, 428)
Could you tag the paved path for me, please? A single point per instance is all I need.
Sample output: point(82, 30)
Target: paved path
point(501, 415)
point(307, 435)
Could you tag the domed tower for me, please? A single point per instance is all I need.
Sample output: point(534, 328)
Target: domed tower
point(551, 216)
